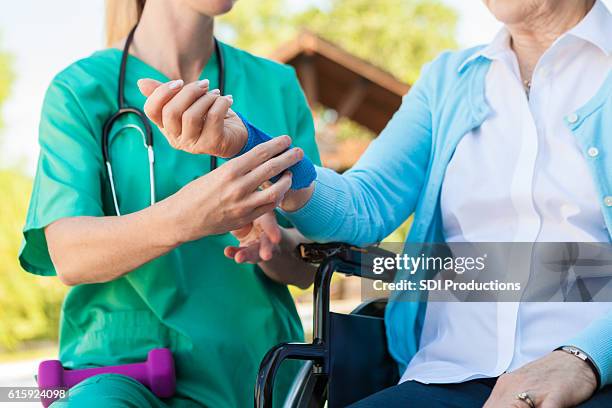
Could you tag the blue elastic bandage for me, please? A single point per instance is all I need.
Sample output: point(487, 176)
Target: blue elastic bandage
point(303, 172)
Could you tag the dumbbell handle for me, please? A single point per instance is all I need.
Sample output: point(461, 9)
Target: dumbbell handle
point(157, 373)
point(137, 371)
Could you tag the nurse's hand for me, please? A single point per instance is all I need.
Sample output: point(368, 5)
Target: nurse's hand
point(193, 118)
point(258, 241)
point(229, 197)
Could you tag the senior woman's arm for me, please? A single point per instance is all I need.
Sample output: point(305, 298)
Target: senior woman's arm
point(372, 199)
point(596, 342)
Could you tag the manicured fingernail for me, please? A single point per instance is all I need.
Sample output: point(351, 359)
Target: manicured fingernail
point(230, 98)
point(203, 83)
point(215, 91)
point(175, 84)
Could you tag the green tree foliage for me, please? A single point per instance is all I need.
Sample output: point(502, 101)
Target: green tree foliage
point(29, 305)
point(258, 26)
point(397, 35)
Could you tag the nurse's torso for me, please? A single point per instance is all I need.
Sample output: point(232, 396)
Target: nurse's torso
point(219, 318)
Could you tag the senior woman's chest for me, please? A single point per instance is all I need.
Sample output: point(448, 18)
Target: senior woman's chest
point(467, 109)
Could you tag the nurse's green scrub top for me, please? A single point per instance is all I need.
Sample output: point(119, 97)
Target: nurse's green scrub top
point(218, 317)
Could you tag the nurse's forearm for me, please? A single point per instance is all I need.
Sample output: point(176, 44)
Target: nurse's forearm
point(285, 267)
point(101, 249)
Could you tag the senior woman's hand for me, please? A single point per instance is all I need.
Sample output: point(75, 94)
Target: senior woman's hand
point(273, 248)
point(258, 240)
point(558, 380)
point(193, 118)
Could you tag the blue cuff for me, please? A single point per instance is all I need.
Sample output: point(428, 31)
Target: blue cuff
point(303, 172)
point(596, 342)
point(320, 217)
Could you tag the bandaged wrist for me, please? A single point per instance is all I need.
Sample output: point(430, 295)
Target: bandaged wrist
point(303, 172)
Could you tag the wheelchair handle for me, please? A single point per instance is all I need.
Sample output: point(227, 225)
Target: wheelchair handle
point(354, 261)
point(315, 352)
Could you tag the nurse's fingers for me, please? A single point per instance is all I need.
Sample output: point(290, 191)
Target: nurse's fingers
point(174, 110)
point(148, 85)
point(215, 118)
point(258, 155)
point(194, 116)
point(160, 96)
point(272, 167)
point(270, 196)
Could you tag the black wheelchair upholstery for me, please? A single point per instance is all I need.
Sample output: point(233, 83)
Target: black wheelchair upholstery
point(348, 358)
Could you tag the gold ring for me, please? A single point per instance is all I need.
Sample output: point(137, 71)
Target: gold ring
point(523, 396)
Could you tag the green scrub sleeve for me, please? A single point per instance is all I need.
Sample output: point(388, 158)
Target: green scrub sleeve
point(68, 176)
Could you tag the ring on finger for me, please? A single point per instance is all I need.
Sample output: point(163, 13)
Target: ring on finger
point(526, 398)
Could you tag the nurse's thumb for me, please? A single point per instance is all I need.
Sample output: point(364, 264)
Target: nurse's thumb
point(147, 86)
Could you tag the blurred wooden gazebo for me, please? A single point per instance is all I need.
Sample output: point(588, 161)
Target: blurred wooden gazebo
point(349, 85)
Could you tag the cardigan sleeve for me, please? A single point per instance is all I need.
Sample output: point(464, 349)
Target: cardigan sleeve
point(596, 342)
point(372, 199)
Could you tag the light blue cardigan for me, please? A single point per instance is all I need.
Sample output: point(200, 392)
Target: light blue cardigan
point(402, 172)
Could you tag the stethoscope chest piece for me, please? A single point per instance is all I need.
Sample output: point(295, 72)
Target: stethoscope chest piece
point(147, 137)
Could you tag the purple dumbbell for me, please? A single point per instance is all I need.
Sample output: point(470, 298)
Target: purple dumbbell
point(157, 373)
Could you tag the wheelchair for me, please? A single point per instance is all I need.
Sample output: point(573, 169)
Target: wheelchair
point(348, 358)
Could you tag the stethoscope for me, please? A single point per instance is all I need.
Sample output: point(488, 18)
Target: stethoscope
point(147, 134)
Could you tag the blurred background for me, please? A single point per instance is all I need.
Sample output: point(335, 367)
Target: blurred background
point(354, 58)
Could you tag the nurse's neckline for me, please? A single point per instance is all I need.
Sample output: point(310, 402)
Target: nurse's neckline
point(158, 75)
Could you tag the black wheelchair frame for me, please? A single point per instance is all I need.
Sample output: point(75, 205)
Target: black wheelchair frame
point(348, 358)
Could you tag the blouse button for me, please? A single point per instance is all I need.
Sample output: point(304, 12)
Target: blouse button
point(608, 201)
point(593, 152)
point(572, 118)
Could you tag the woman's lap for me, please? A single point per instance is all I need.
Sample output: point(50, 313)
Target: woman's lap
point(601, 399)
point(415, 395)
point(112, 391)
point(469, 394)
